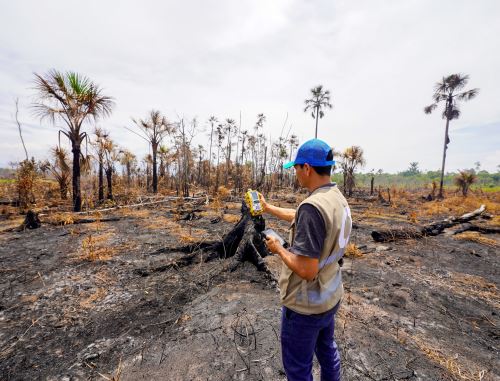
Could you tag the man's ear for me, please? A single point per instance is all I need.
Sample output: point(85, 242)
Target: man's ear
point(307, 168)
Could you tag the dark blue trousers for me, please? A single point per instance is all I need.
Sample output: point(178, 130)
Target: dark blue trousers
point(304, 335)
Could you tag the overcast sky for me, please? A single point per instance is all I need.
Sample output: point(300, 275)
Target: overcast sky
point(379, 59)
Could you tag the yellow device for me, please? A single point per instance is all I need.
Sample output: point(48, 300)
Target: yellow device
point(253, 202)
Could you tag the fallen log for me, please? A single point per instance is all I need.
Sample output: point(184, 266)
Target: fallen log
point(198, 201)
point(475, 228)
point(433, 229)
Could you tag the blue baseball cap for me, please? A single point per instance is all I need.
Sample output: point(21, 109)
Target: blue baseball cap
point(313, 152)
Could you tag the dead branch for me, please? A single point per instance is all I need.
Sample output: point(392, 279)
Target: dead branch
point(432, 229)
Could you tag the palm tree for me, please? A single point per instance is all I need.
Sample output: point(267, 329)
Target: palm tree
point(448, 91)
point(100, 147)
point(212, 120)
point(464, 180)
point(163, 153)
point(219, 132)
point(320, 99)
point(154, 129)
point(129, 160)
point(73, 99)
point(229, 126)
point(351, 159)
point(111, 156)
point(60, 169)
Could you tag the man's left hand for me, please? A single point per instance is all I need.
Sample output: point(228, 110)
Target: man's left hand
point(272, 244)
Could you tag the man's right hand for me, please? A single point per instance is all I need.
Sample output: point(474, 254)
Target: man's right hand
point(281, 213)
point(263, 202)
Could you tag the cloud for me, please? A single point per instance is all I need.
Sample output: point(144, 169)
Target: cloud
point(380, 61)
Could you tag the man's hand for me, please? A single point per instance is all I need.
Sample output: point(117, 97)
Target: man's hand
point(282, 213)
point(305, 267)
point(262, 202)
point(273, 245)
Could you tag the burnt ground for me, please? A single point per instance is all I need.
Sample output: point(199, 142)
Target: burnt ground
point(86, 302)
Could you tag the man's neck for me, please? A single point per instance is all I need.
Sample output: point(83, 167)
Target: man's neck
point(319, 182)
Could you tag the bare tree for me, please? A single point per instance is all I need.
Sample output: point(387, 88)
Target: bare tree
point(19, 128)
point(212, 120)
point(128, 159)
point(154, 129)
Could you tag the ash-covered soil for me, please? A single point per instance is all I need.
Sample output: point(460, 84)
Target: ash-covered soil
point(86, 302)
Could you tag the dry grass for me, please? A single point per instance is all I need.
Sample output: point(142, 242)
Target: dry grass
point(495, 221)
point(474, 281)
point(159, 223)
point(185, 234)
point(458, 205)
point(95, 247)
point(135, 213)
point(60, 219)
point(223, 192)
point(99, 294)
point(352, 251)
point(464, 285)
point(476, 237)
point(231, 218)
point(11, 224)
point(453, 364)
point(188, 235)
point(379, 213)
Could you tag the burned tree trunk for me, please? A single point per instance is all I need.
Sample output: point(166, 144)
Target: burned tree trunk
point(242, 243)
point(432, 229)
point(31, 221)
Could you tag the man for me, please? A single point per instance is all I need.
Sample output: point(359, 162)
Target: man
point(310, 282)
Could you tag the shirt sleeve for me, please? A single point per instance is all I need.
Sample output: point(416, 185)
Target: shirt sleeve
point(309, 232)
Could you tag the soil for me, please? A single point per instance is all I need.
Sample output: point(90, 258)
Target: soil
point(93, 301)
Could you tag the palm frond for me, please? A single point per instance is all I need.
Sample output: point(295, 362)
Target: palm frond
point(70, 97)
point(468, 95)
point(430, 108)
point(438, 97)
point(455, 82)
point(451, 113)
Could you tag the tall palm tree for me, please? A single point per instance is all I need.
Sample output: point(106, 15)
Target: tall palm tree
point(110, 156)
point(73, 99)
point(154, 129)
point(100, 147)
point(448, 91)
point(320, 99)
point(163, 153)
point(229, 126)
point(212, 120)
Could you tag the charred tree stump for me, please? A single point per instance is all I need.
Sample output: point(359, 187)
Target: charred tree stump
point(432, 229)
point(243, 243)
point(31, 221)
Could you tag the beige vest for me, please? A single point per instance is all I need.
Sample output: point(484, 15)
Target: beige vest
point(325, 290)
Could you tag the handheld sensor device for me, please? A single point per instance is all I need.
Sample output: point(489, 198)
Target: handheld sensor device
point(272, 233)
point(253, 202)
